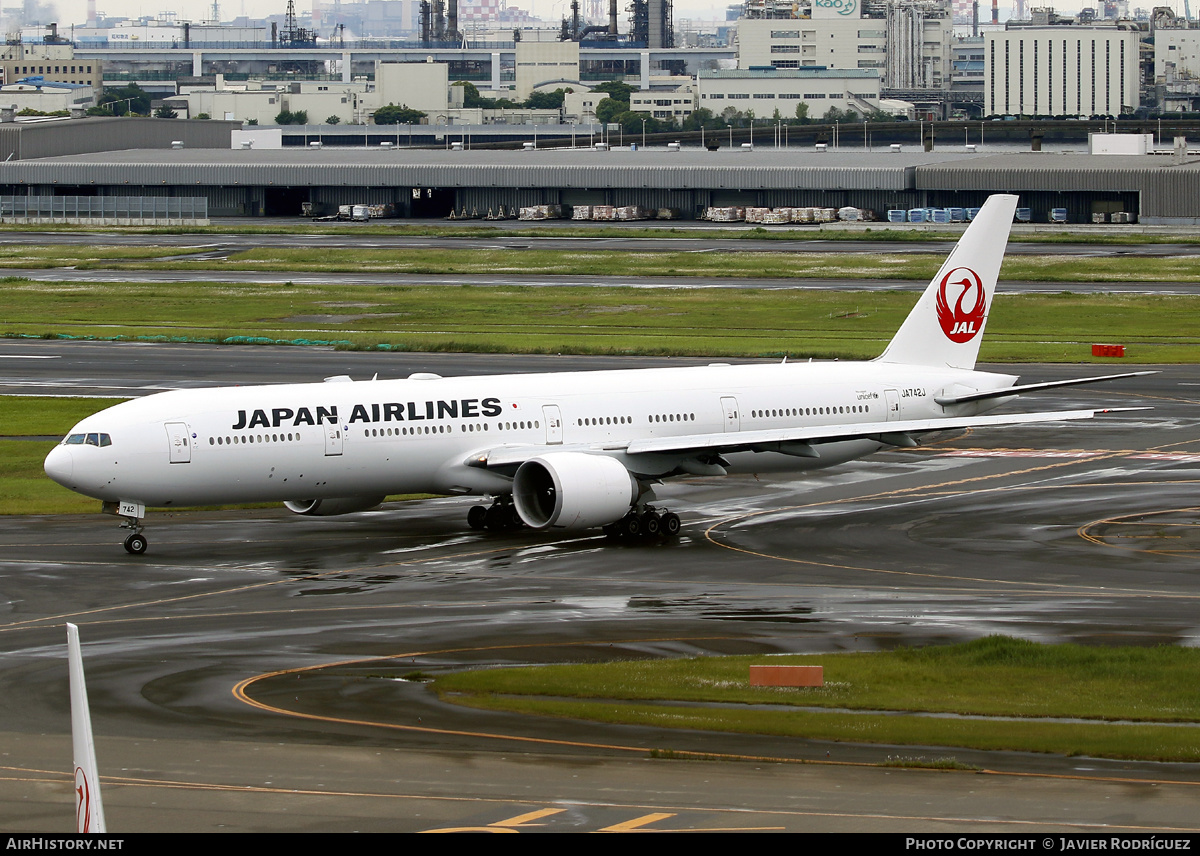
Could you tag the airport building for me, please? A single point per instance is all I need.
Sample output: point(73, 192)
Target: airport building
point(1158, 189)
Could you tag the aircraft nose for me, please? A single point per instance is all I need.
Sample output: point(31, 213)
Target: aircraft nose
point(59, 465)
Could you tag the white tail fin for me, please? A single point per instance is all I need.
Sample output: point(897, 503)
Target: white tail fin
point(89, 813)
point(946, 326)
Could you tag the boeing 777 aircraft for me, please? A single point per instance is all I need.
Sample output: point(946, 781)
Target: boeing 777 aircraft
point(570, 450)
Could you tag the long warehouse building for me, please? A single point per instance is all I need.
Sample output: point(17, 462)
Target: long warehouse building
point(1158, 189)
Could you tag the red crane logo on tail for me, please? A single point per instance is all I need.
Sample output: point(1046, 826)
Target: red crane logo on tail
point(962, 320)
point(83, 802)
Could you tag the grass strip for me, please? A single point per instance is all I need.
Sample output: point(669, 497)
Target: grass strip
point(1063, 699)
point(688, 322)
point(533, 262)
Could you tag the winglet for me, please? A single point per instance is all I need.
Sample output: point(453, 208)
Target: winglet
point(89, 813)
point(946, 326)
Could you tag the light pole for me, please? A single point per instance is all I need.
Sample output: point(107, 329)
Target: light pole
point(643, 133)
point(730, 127)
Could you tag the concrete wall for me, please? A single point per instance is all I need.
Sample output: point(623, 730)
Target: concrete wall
point(542, 62)
point(422, 86)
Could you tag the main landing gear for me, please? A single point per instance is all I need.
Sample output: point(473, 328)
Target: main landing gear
point(648, 523)
point(501, 516)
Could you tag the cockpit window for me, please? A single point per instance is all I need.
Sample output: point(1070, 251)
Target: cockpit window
point(88, 439)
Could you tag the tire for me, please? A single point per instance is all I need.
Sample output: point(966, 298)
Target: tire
point(670, 524)
point(631, 525)
point(136, 544)
point(496, 518)
point(651, 524)
point(477, 516)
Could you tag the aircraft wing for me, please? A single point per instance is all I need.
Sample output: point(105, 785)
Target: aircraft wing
point(801, 442)
point(897, 433)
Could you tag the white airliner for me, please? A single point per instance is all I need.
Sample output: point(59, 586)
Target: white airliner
point(571, 450)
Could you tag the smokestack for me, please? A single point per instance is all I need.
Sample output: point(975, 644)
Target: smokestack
point(452, 20)
point(612, 17)
point(91, 13)
point(316, 17)
point(995, 12)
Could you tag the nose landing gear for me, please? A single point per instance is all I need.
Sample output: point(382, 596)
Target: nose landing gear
point(136, 544)
point(131, 514)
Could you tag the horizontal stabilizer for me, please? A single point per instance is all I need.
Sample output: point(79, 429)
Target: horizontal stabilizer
point(1009, 391)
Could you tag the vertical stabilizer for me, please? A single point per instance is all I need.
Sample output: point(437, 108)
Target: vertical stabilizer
point(89, 813)
point(946, 326)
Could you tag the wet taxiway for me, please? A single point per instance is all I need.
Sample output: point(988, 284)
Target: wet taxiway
point(248, 672)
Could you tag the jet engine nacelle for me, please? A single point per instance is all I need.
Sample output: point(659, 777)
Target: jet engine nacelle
point(573, 490)
point(330, 507)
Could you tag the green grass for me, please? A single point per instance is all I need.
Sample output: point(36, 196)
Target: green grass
point(32, 416)
point(910, 266)
point(24, 487)
point(1130, 700)
point(690, 322)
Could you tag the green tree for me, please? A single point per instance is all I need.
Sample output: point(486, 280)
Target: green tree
point(287, 117)
point(165, 112)
point(547, 100)
point(471, 96)
point(699, 118)
point(802, 112)
point(393, 115)
point(333, 120)
point(615, 89)
point(203, 116)
point(631, 122)
point(608, 109)
point(125, 101)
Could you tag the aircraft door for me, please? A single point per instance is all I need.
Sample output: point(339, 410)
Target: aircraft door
point(179, 442)
point(554, 426)
point(729, 407)
point(333, 439)
point(893, 404)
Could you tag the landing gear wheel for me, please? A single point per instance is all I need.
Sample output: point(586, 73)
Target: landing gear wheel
point(477, 516)
point(136, 544)
point(669, 524)
point(651, 524)
point(496, 518)
point(631, 525)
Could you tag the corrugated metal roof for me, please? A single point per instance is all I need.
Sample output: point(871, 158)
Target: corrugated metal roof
point(1166, 189)
point(648, 168)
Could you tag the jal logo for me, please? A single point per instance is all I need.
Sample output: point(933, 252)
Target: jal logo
point(961, 305)
point(841, 7)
